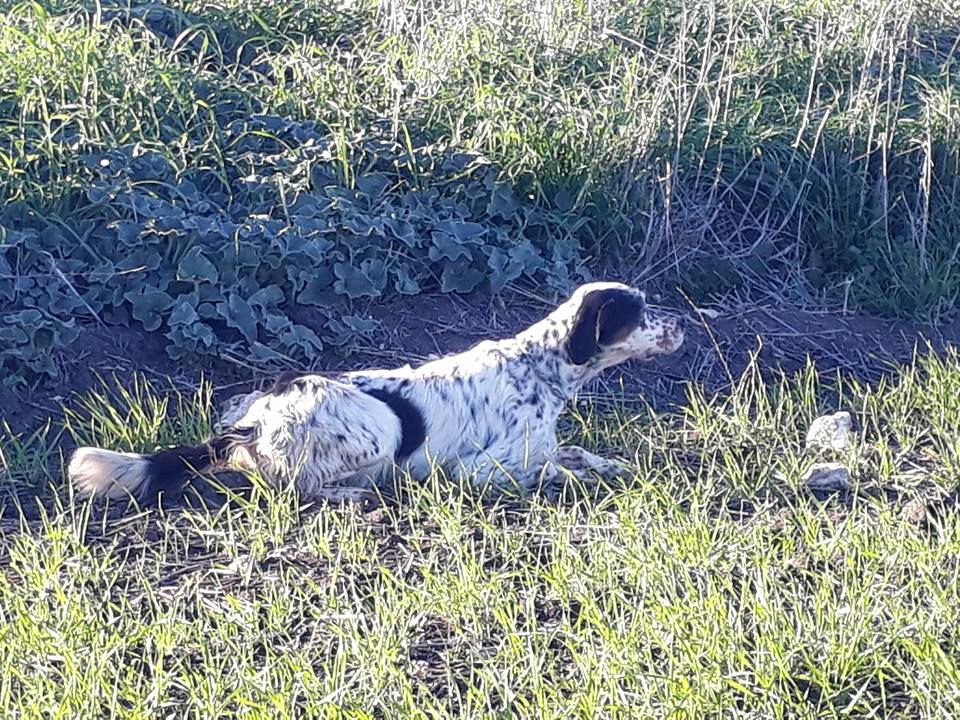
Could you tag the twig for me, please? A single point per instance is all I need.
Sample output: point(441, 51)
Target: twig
point(63, 279)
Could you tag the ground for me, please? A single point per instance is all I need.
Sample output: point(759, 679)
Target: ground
point(805, 152)
point(721, 343)
point(709, 578)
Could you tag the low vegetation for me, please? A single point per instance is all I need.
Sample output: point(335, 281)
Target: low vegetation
point(710, 579)
point(244, 177)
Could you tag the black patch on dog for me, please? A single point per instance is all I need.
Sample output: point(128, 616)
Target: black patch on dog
point(169, 470)
point(413, 429)
point(604, 317)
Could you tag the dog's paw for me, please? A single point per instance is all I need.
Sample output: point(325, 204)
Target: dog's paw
point(584, 463)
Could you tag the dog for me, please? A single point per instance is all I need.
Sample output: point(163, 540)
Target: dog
point(488, 414)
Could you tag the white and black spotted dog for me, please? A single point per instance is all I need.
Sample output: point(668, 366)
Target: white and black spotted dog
point(489, 413)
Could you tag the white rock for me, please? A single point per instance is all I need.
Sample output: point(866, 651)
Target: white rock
point(827, 476)
point(830, 432)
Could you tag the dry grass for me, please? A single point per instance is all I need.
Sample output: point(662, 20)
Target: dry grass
point(784, 148)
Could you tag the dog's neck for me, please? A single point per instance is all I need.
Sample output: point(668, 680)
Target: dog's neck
point(545, 343)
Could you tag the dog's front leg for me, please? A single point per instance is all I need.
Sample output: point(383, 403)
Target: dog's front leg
point(582, 463)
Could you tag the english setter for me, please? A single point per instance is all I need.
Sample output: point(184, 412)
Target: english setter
point(489, 413)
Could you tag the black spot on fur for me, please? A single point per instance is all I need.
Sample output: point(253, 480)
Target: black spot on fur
point(604, 317)
point(413, 429)
point(169, 470)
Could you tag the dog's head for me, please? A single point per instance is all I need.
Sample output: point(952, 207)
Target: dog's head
point(613, 323)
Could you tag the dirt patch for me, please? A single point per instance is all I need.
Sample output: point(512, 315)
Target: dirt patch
point(417, 328)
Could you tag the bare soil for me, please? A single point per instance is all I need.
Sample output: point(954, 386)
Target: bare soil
point(414, 329)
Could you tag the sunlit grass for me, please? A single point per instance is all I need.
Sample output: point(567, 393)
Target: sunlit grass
point(710, 582)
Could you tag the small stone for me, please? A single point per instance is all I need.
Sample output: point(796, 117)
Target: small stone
point(830, 432)
point(829, 477)
point(915, 512)
point(376, 516)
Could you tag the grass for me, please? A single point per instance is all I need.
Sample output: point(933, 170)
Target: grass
point(791, 149)
point(806, 149)
point(710, 583)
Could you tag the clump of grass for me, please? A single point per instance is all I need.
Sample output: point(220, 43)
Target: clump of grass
point(140, 416)
point(709, 581)
point(25, 458)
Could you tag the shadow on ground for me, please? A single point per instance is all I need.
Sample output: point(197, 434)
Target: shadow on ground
point(720, 346)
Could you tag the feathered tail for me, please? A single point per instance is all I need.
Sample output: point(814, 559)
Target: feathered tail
point(107, 473)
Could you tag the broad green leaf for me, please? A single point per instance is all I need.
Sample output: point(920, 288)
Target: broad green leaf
point(463, 231)
point(148, 306)
point(318, 292)
point(183, 314)
point(128, 232)
point(405, 284)
point(504, 269)
point(446, 247)
point(196, 266)
point(403, 231)
point(352, 282)
point(238, 314)
point(260, 353)
point(460, 277)
point(303, 338)
point(360, 324)
point(276, 323)
point(267, 297)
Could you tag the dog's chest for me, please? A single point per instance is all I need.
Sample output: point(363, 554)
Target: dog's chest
point(483, 411)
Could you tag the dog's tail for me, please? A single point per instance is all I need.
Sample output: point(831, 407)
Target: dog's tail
point(107, 473)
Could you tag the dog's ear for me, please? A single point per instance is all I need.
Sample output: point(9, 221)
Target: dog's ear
point(603, 318)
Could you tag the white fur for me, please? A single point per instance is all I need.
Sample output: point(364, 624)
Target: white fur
point(324, 435)
point(488, 414)
point(106, 473)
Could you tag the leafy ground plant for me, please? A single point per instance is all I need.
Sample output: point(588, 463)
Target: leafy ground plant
point(711, 581)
